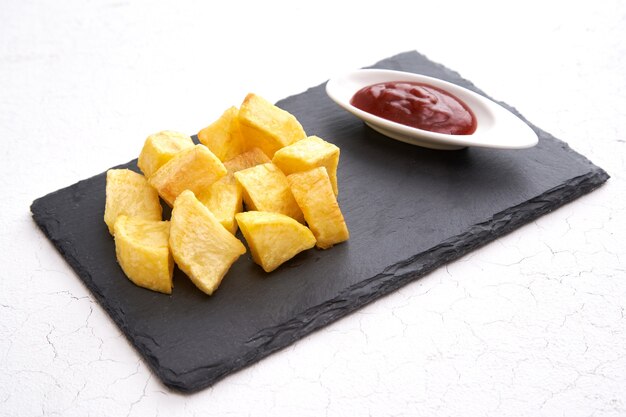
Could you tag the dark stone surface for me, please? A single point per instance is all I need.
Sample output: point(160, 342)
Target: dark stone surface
point(409, 210)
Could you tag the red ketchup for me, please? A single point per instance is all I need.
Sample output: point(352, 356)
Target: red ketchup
point(417, 105)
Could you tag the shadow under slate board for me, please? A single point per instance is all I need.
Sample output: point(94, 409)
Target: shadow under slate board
point(409, 210)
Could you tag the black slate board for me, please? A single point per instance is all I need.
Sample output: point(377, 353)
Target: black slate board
point(409, 211)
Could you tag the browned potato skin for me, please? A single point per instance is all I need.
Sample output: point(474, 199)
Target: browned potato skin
point(247, 159)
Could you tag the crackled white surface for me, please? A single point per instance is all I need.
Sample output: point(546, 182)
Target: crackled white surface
point(532, 324)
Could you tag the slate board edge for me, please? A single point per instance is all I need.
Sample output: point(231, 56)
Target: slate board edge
point(45, 223)
point(392, 278)
point(353, 298)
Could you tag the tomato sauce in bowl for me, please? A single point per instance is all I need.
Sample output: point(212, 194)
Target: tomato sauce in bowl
point(418, 105)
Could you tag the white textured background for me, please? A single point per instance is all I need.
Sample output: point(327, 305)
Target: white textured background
point(532, 324)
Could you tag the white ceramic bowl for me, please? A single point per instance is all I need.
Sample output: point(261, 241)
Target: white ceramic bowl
point(496, 127)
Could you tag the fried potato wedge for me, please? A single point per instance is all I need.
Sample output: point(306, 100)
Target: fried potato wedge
point(159, 148)
point(309, 153)
point(247, 159)
point(142, 250)
point(202, 248)
point(267, 126)
point(273, 238)
point(223, 136)
point(194, 169)
point(314, 193)
point(265, 188)
point(128, 193)
point(224, 199)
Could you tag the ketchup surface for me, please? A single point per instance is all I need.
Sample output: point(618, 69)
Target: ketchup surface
point(418, 105)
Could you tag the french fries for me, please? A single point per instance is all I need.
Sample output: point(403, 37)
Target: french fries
point(255, 158)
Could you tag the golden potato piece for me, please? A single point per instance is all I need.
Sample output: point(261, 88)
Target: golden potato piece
point(273, 238)
point(266, 126)
point(143, 252)
point(314, 193)
point(265, 188)
point(160, 148)
point(128, 193)
point(202, 248)
point(223, 137)
point(224, 199)
point(309, 153)
point(194, 169)
point(247, 159)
